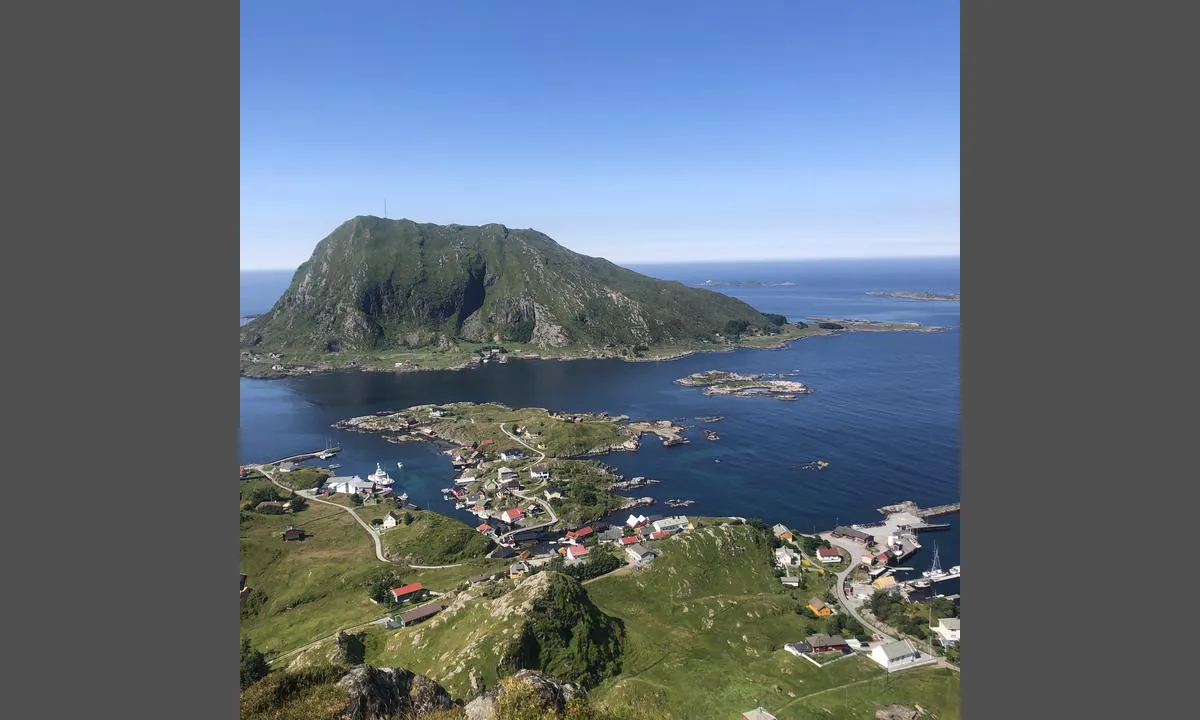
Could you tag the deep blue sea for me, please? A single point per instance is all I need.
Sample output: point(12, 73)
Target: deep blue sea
point(885, 411)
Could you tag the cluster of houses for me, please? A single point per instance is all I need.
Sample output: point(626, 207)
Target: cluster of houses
point(891, 656)
point(788, 559)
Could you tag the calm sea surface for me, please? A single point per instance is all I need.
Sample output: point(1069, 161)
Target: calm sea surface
point(885, 413)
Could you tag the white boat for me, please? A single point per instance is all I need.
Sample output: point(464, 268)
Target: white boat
point(956, 570)
point(922, 583)
point(379, 477)
point(400, 465)
point(459, 506)
point(935, 571)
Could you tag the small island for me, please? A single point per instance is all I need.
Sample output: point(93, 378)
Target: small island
point(910, 295)
point(721, 382)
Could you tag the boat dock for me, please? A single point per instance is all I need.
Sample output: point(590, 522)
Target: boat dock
point(910, 507)
point(319, 454)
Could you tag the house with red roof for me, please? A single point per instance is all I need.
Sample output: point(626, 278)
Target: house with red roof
point(577, 551)
point(579, 534)
point(485, 529)
point(828, 555)
point(659, 534)
point(629, 539)
point(408, 592)
point(512, 515)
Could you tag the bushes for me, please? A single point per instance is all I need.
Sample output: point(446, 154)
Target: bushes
point(254, 664)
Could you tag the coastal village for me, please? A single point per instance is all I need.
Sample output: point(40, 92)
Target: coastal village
point(512, 488)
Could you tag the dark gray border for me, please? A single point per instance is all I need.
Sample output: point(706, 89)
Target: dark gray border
point(121, 131)
point(123, 152)
point(1065, 236)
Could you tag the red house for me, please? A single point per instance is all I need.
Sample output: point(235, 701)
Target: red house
point(293, 533)
point(659, 534)
point(579, 534)
point(485, 529)
point(577, 551)
point(408, 592)
point(511, 515)
point(629, 540)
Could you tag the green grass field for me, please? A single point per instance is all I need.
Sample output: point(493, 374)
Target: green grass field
point(706, 625)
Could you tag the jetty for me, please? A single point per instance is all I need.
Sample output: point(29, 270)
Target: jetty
point(317, 454)
point(910, 507)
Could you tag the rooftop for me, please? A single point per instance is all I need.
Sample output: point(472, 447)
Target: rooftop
point(422, 612)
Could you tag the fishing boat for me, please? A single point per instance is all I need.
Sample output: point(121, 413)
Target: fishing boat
point(955, 571)
point(379, 477)
point(935, 571)
point(335, 466)
point(459, 506)
point(400, 465)
point(922, 583)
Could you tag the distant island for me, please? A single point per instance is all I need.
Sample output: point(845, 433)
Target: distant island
point(743, 283)
point(721, 382)
point(910, 295)
point(396, 295)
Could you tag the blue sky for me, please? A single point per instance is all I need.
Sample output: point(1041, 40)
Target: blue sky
point(636, 131)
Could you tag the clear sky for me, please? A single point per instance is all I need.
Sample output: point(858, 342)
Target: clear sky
point(639, 131)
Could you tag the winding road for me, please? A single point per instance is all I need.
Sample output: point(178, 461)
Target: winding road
point(550, 509)
point(311, 495)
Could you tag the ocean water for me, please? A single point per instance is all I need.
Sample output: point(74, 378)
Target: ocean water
point(885, 411)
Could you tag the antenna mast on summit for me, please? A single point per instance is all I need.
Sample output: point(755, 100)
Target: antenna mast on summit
point(385, 209)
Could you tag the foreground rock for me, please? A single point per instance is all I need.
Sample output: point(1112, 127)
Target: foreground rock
point(897, 712)
point(339, 693)
point(384, 692)
point(535, 688)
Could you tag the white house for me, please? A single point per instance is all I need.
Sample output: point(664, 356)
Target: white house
point(287, 467)
point(636, 521)
point(896, 655)
point(539, 472)
point(552, 493)
point(349, 485)
point(786, 556)
point(577, 551)
point(512, 515)
point(638, 552)
point(828, 555)
point(512, 455)
point(671, 524)
point(391, 520)
point(947, 630)
point(506, 476)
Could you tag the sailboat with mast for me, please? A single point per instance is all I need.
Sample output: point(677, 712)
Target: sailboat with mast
point(935, 571)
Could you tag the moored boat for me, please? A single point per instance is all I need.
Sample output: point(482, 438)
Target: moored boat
point(379, 477)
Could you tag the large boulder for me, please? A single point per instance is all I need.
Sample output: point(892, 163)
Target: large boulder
point(548, 693)
point(388, 693)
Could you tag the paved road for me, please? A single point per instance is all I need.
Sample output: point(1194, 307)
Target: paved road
point(310, 495)
point(856, 550)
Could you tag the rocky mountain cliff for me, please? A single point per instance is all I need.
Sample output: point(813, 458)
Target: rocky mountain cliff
point(376, 284)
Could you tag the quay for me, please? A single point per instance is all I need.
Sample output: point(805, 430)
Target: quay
point(911, 508)
point(321, 454)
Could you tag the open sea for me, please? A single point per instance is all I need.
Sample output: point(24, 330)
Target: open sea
point(885, 411)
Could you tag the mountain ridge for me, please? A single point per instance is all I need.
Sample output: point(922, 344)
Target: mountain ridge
point(377, 284)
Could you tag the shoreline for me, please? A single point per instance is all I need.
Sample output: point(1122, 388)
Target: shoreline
point(856, 326)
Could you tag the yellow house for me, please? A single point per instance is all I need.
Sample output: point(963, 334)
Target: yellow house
point(819, 607)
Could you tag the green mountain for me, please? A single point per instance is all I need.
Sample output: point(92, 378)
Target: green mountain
point(376, 284)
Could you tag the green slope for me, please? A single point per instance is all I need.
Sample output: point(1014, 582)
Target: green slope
point(377, 284)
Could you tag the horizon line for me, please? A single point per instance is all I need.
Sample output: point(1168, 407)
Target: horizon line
point(863, 258)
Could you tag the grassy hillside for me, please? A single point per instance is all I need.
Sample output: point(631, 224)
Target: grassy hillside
point(432, 539)
point(546, 622)
point(376, 283)
point(706, 624)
